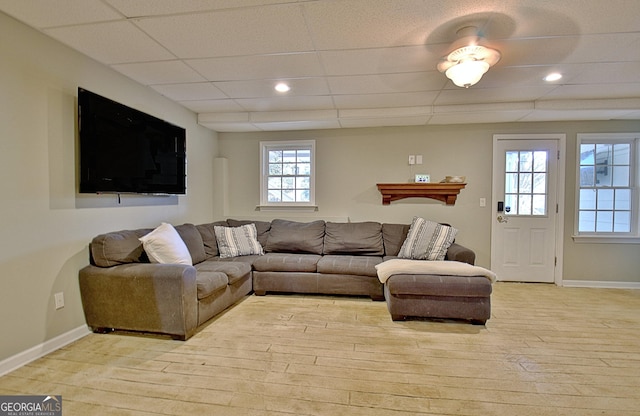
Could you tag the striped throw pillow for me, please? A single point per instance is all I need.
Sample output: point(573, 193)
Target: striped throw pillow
point(427, 240)
point(238, 241)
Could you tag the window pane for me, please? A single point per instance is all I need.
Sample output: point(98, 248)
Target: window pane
point(621, 153)
point(511, 204)
point(288, 195)
point(275, 156)
point(524, 206)
point(288, 183)
point(274, 195)
point(302, 182)
point(302, 195)
point(539, 161)
point(587, 199)
point(289, 169)
point(511, 161)
point(587, 154)
point(540, 183)
point(275, 169)
point(586, 176)
point(623, 199)
point(622, 222)
point(539, 205)
point(605, 199)
point(621, 176)
point(304, 156)
point(304, 169)
point(289, 156)
point(604, 221)
point(525, 182)
point(586, 221)
point(511, 183)
point(274, 182)
point(526, 161)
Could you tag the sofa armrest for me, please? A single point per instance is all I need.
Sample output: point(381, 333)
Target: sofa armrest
point(460, 253)
point(159, 298)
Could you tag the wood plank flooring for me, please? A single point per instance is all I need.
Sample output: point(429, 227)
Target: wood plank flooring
point(545, 351)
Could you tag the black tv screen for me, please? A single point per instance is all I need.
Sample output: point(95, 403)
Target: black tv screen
point(123, 150)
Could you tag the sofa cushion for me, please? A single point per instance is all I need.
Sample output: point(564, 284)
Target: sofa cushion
point(118, 247)
point(296, 237)
point(209, 237)
point(164, 245)
point(393, 236)
point(262, 227)
point(427, 240)
point(232, 269)
point(364, 238)
point(432, 285)
point(286, 262)
point(193, 240)
point(238, 241)
point(342, 264)
point(209, 282)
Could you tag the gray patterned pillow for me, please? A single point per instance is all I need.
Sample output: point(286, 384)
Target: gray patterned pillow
point(238, 241)
point(427, 240)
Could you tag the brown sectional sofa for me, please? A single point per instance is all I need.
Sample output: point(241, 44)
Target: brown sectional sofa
point(122, 290)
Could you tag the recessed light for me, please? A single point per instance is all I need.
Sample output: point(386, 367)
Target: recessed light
point(554, 76)
point(282, 87)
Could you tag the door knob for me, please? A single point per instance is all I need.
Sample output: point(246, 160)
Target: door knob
point(502, 219)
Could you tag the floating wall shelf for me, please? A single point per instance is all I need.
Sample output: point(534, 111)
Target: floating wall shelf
point(445, 192)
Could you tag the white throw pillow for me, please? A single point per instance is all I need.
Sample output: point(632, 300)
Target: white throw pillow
point(238, 241)
point(427, 240)
point(164, 245)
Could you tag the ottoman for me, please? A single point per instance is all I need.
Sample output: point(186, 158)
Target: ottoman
point(438, 296)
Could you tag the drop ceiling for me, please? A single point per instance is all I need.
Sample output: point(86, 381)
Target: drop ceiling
point(358, 63)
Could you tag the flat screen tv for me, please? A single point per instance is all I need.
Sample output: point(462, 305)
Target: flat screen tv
point(123, 150)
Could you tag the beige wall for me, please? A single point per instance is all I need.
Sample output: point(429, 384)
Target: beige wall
point(44, 234)
point(351, 161)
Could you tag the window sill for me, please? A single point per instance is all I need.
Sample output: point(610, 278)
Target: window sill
point(297, 208)
point(598, 239)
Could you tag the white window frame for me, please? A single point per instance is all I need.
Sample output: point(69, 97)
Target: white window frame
point(633, 236)
point(267, 146)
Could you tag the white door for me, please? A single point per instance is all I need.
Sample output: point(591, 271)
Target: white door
point(525, 210)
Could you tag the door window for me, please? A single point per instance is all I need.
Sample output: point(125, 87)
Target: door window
point(526, 177)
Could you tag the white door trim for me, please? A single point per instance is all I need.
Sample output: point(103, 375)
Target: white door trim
point(560, 190)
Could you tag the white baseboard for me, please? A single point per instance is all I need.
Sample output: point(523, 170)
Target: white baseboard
point(600, 284)
point(33, 353)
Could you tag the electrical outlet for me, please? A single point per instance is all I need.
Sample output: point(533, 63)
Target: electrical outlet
point(59, 298)
point(418, 159)
point(412, 159)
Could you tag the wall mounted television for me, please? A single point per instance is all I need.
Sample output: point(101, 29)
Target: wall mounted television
point(123, 150)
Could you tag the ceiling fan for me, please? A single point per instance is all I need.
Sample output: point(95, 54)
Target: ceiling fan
point(469, 58)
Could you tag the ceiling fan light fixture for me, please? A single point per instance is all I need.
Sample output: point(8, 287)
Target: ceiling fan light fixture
point(467, 72)
point(466, 64)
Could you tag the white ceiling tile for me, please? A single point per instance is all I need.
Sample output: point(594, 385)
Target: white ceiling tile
point(208, 106)
point(111, 43)
point(594, 91)
point(46, 13)
point(386, 83)
point(232, 32)
point(378, 60)
point(291, 65)
point(479, 117)
point(384, 121)
point(555, 115)
point(159, 72)
point(406, 99)
point(287, 103)
point(155, 8)
point(477, 94)
point(265, 88)
point(193, 91)
point(298, 125)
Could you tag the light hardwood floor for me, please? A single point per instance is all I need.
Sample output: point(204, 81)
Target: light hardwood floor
point(545, 351)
